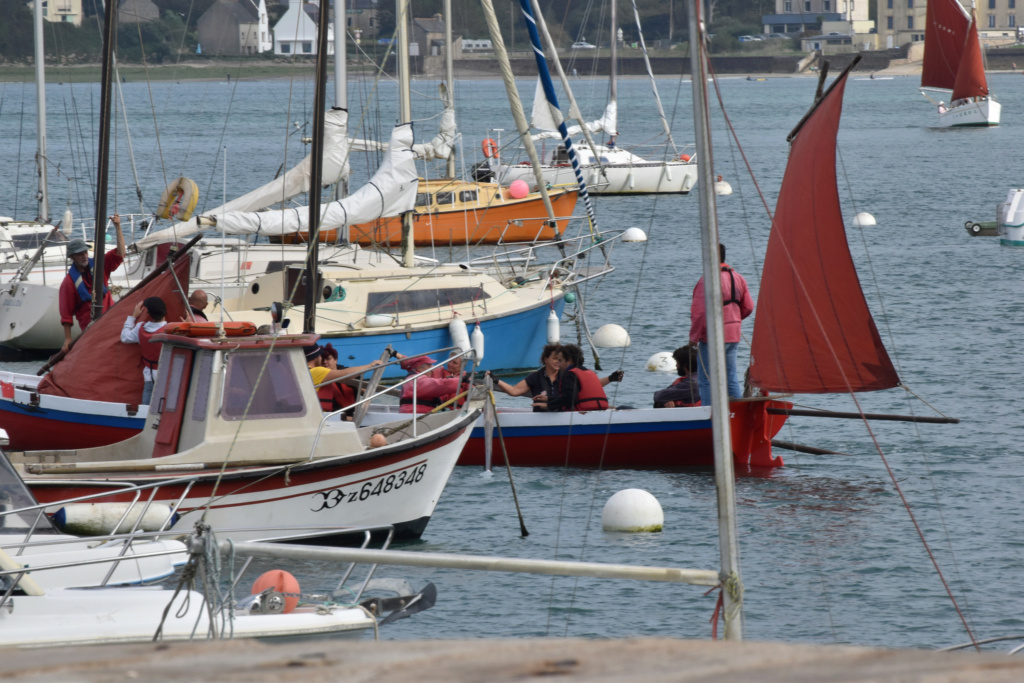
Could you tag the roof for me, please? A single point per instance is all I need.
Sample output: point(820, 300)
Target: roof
point(242, 11)
point(434, 24)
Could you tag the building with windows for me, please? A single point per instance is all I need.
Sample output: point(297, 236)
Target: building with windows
point(234, 27)
point(295, 32)
point(902, 21)
point(62, 11)
point(428, 38)
point(802, 18)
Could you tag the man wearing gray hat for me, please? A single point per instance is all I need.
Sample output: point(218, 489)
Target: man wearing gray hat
point(75, 296)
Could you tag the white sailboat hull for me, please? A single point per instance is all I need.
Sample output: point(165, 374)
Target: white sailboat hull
point(971, 114)
point(30, 317)
point(649, 177)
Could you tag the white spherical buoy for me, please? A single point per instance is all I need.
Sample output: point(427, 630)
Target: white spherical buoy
point(634, 234)
point(863, 220)
point(722, 187)
point(662, 361)
point(632, 510)
point(611, 337)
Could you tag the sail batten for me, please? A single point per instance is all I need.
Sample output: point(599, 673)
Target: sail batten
point(813, 331)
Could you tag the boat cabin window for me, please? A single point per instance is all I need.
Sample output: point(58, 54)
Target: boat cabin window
point(467, 196)
point(560, 156)
point(420, 299)
point(30, 240)
point(423, 199)
point(445, 197)
point(264, 383)
point(202, 397)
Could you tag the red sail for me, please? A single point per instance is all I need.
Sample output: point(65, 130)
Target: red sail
point(970, 78)
point(99, 367)
point(944, 36)
point(813, 332)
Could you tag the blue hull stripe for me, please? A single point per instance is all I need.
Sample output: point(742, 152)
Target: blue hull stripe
point(69, 417)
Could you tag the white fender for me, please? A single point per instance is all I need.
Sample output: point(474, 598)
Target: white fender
point(554, 331)
point(97, 519)
point(478, 343)
point(459, 334)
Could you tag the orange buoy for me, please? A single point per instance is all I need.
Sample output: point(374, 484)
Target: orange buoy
point(490, 148)
point(282, 582)
point(684, 157)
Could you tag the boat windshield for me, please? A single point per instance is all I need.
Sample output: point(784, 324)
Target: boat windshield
point(14, 495)
point(420, 299)
point(268, 379)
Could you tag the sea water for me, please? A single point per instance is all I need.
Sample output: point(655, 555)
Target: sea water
point(829, 553)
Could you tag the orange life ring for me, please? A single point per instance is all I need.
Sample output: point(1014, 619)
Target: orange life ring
point(208, 329)
point(490, 148)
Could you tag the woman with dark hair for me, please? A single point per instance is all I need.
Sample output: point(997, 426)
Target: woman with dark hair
point(539, 382)
point(577, 388)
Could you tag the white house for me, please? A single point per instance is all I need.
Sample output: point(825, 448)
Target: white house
point(295, 33)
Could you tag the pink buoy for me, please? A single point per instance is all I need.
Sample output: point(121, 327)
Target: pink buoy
point(518, 189)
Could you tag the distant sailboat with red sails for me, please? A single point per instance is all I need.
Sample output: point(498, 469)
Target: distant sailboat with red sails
point(953, 62)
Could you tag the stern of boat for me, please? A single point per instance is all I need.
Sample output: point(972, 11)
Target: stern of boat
point(753, 429)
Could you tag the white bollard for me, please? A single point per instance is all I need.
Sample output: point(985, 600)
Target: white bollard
point(632, 510)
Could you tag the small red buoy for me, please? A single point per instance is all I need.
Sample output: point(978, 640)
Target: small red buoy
point(282, 582)
point(684, 157)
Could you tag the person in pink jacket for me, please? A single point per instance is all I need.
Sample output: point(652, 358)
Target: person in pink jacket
point(431, 389)
point(736, 306)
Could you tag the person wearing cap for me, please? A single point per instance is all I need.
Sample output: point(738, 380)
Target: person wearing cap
point(138, 331)
point(75, 296)
point(323, 368)
point(431, 390)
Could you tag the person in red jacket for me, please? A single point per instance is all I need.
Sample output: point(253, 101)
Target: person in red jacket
point(736, 306)
point(323, 368)
point(137, 331)
point(578, 389)
point(75, 295)
point(431, 389)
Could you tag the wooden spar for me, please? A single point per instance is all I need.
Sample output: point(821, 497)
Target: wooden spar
point(800, 448)
point(857, 416)
point(818, 97)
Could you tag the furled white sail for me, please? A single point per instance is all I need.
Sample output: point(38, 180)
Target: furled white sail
point(390, 192)
point(438, 148)
point(287, 186)
point(541, 119)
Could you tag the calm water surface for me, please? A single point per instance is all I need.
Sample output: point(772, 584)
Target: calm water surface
point(828, 552)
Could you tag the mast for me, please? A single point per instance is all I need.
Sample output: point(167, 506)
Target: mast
point(341, 73)
point(613, 92)
point(404, 116)
point(316, 170)
point(106, 92)
point(517, 106)
point(42, 194)
point(449, 75)
point(732, 584)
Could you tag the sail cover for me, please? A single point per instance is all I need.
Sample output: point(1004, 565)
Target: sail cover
point(970, 77)
point(291, 184)
point(813, 332)
point(390, 192)
point(99, 367)
point(945, 35)
point(438, 148)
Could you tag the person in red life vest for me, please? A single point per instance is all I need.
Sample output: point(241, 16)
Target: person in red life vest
point(137, 331)
point(75, 295)
point(736, 306)
point(323, 367)
point(430, 389)
point(197, 302)
point(685, 391)
point(454, 369)
point(578, 389)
